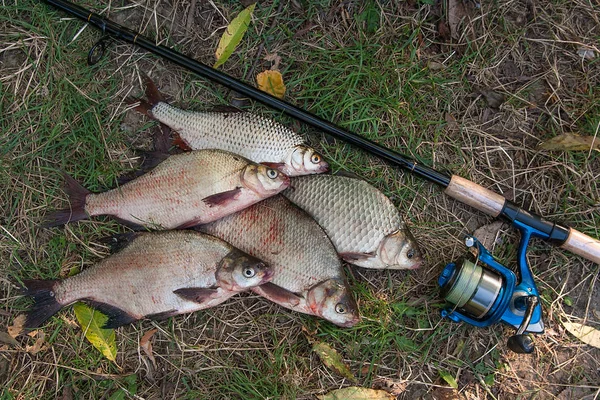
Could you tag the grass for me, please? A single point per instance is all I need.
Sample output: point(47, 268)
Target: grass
point(395, 81)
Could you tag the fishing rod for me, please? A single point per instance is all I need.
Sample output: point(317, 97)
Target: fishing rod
point(481, 291)
point(454, 186)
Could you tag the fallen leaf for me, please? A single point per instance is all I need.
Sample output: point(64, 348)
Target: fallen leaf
point(456, 12)
point(586, 334)
point(91, 321)
point(271, 82)
point(17, 326)
point(8, 339)
point(333, 360)
point(451, 122)
point(39, 342)
point(275, 59)
point(444, 31)
point(487, 234)
point(440, 393)
point(586, 53)
point(357, 393)
point(571, 142)
point(146, 345)
point(393, 386)
point(233, 35)
point(449, 379)
point(492, 98)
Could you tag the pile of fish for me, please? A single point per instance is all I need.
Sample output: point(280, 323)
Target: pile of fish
point(264, 216)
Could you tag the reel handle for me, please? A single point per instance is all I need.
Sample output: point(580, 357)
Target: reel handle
point(520, 343)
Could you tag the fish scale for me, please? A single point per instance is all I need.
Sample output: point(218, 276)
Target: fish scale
point(364, 225)
point(355, 216)
point(308, 275)
point(145, 288)
point(252, 136)
point(296, 248)
point(155, 275)
point(184, 189)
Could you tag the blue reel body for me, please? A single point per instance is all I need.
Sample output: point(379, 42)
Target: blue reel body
point(499, 294)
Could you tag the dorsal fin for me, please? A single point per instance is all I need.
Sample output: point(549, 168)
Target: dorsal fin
point(150, 160)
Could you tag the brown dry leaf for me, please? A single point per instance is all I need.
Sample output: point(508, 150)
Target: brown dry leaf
point(571, 142)
point(357, 393)
point(271, 82)
point(440, 393)
point(146, 345)
point(17, 326)
point(586, 334)
point(39, 343)
point(487, 234)
point(451, 122)
point(393, 386)
point(456, 12)
point(275, 59)
point(333, 360)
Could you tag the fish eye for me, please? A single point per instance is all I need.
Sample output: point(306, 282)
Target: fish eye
point(340, 308)
point(315, 159)
point(271, 173)
point(410, 254)
point(249, 272)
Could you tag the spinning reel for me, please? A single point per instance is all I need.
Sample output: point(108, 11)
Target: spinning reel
point(482, 292)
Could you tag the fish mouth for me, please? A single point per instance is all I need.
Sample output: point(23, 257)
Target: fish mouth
point(417, 264)
point(323, 168)
point(269, 274)
point(351, 323)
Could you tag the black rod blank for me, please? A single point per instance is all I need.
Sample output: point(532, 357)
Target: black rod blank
point(125, 34)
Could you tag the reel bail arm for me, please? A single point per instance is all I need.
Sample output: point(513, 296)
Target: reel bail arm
point(483, 292)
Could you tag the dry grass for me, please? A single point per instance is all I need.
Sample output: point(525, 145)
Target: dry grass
point(403, 85)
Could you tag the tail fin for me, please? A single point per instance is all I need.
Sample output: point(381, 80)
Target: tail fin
point(45, 304)
point(153, 97)
point(77, 195)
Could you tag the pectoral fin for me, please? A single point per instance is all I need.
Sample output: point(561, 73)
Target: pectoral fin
point(352, 257)
point(199, 295)
point(278, 294)
point(223, 198)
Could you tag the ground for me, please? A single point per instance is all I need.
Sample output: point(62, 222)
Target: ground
point(471, 88)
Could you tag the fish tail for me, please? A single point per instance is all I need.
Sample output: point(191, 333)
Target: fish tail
point(153, 97)
point(45, 304)
point(77, 196)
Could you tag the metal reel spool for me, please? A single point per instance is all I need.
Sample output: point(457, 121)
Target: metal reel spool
point(472, 288)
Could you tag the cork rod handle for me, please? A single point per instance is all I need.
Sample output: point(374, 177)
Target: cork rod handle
point(475, 195)
point(583, 245)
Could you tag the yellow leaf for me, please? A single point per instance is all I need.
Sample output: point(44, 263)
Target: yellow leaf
point(571, 141)
point(271, 81)
point(333, 360)
point(91, 322)
point(586, 334)
point(233, 35)
point(357, 393)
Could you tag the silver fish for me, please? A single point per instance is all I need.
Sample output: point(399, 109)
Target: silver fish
point(183, 190)
point(364, 225)
point(156, 275)
point(257, 138)
point(308, 275)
